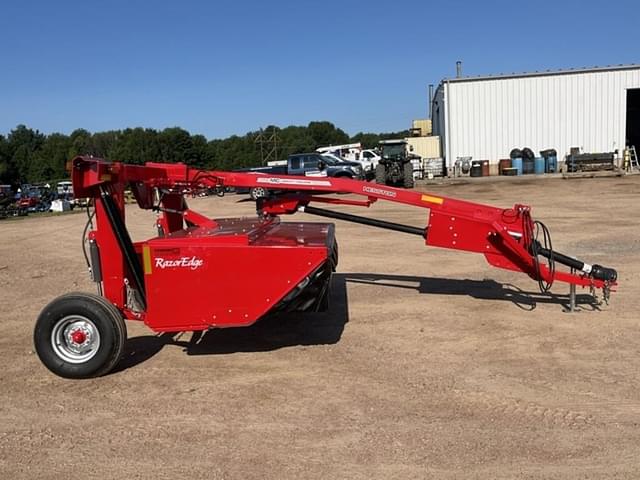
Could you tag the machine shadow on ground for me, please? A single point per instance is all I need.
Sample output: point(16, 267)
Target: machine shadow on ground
point(271, 333)
point(479, 289)
point(325, 328)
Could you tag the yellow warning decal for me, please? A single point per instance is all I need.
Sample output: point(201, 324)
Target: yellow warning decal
point(105, 177)
point(146, 259)
point(430, 199)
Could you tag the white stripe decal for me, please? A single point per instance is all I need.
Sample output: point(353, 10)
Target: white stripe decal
point(287, 181)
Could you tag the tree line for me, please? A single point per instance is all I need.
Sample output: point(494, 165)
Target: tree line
point(29, 156)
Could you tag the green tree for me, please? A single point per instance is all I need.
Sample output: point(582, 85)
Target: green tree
point(103, 143)
point(198, 153)
point(23, 143)
point(326, 133)
point(135, 145)
point(80, 143)
point(4, 160)
point(50, 160)
point(175, 145)
point(27, 155)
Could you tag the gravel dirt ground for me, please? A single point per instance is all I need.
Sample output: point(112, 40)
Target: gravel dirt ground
point(429, 364)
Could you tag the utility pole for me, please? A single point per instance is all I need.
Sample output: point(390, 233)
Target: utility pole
point(268, 141)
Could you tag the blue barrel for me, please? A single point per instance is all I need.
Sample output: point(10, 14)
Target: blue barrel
point(551, 164)
point(539, 165)
point(550, 160)
point(517, 164)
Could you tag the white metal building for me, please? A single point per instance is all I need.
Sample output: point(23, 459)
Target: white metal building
point(596, 109)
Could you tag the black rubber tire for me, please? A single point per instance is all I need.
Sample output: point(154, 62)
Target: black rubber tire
point(515, 153)
point(258, 192)
point(381, 174)
point(323, 304)
point(407, 181)
point(528, 153)
point(334, 256)
point(107, 320)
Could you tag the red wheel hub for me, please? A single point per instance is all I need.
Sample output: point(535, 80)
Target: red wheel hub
point(78, 336)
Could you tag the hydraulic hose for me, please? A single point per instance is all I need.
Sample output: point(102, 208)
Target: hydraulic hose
point(597, 272)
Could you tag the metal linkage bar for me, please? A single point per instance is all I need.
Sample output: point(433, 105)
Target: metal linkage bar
point(398, 227)
point(126, 245)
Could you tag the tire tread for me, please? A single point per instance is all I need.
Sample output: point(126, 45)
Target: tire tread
point(112, 314)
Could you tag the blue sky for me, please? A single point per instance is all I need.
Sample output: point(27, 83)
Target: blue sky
point(227, 67)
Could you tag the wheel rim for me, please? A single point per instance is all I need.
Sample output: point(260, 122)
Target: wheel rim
point(75, 339)
point(259, 192)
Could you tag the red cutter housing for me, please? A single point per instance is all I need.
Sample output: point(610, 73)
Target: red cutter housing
point(234, 273)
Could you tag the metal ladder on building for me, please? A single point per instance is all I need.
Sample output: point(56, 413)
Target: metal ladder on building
point(633, 158)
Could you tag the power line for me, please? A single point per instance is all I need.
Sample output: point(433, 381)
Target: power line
point(268, 141)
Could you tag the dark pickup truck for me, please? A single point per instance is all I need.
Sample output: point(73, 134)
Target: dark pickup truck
point(309, 165)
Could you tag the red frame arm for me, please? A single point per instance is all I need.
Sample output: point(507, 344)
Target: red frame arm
point(501, 235)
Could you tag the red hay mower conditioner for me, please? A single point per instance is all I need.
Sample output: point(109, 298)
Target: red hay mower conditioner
point(198, 273)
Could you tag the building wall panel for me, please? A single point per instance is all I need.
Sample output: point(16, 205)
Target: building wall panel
point(426, 147)
point(486, 118)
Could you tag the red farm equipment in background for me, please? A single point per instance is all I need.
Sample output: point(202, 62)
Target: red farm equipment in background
point(199, 273)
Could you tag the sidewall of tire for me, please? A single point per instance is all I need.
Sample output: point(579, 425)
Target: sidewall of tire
point(408, 175)
point(105, 317)
point(381, 174)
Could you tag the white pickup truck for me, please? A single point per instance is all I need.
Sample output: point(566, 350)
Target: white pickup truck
point(353, 152)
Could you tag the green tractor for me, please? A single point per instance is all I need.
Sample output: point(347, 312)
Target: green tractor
point(394, 166)
point(6, 201)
